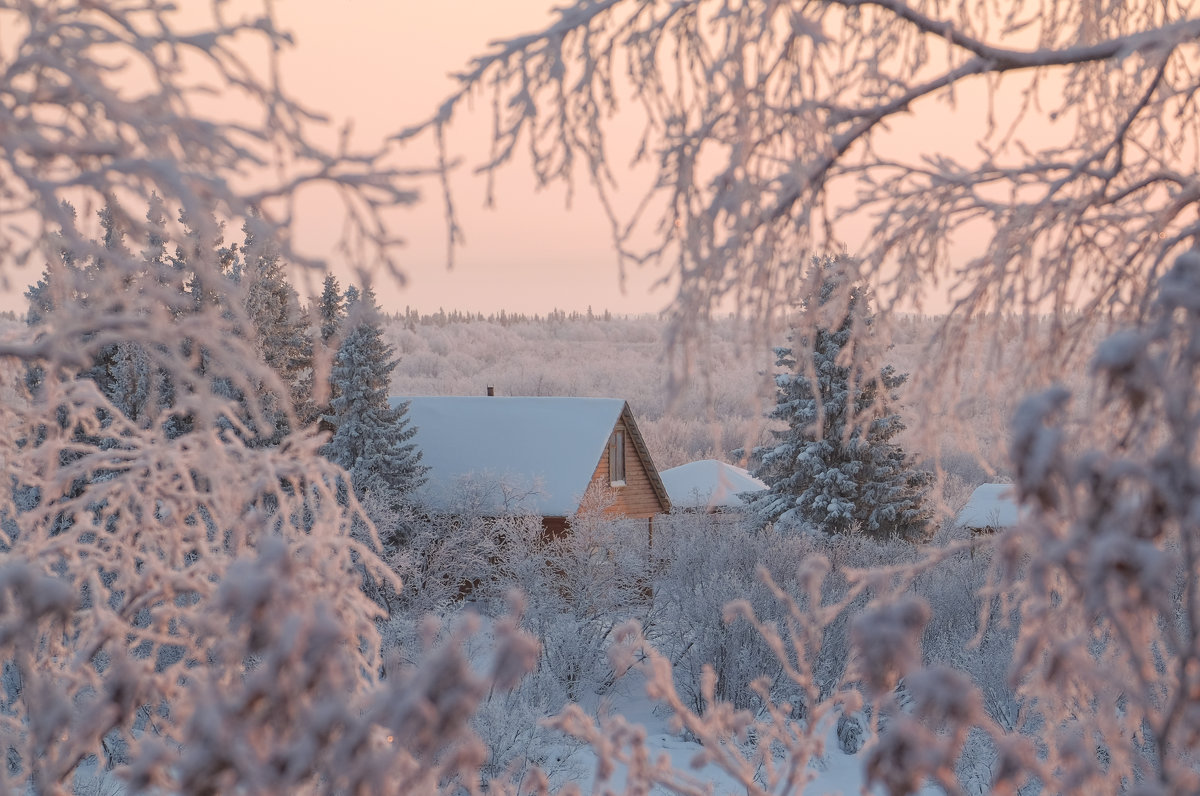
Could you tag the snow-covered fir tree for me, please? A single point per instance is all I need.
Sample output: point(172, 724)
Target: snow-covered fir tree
point(331, 308)
point(281, 332)
point(41, 296)
point(371, 440)
point(835, 466)
point(41, 299)
point(205, 287)
point(124, 370)
point(104, 369)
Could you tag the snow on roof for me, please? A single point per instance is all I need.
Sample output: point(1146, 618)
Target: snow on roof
point(990, 506)
point(532, 454)
point(708, 484)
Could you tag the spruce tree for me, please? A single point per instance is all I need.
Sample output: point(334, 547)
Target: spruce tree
point(280, 330)
point(331, 309)
point(836, 466)
point(371, 440)
point(331, 313)
point(124, 370)
point(42, 294)
point(104, 367)
point(128, 377)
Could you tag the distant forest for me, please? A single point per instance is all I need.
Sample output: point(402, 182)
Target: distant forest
point(956, 420)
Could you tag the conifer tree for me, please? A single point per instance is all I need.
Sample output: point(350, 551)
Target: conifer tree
point(331, 309)
point(102, 370)
point(371, 440)
point(124, 370)
point(41, 295)
point(835, 466)
point(40, 298)
point(155, 253)
point(331, 313)
point(280, 329)
point(200, 242)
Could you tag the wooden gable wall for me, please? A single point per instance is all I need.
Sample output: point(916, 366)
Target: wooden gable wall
point(638, 498)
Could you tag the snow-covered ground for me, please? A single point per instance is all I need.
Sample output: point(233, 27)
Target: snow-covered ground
point(834, 772)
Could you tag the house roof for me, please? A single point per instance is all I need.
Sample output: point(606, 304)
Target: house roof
point(498, 455)
point(991, 506)
point(709, 484)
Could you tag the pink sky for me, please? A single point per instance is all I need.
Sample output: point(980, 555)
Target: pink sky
point(386, 65)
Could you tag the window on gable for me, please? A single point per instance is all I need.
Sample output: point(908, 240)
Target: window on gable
point(616, 458)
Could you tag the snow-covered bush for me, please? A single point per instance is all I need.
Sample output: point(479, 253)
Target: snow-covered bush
point(178, 604)
point(1104, 574)
point(581, 585)
point(512, 727)
point(770, 748)
point(217, 636)
point(968, 628)
point(707, 562)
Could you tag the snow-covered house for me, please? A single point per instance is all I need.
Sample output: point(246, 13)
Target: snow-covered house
point(992, 507)
point(709, 485)
point(500, 455)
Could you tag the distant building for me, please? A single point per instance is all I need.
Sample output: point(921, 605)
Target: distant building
point(538, 455)
point(709, 485)
point(992, 507)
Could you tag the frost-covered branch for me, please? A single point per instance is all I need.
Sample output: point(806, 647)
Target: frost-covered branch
point(113, 100)
point(767, 126)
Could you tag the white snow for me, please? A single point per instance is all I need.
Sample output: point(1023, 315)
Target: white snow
point(532, 454)
point(990, 506)
point(834, 771)
point(708, 484)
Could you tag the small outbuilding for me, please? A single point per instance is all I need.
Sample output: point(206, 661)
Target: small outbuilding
point(709, 485)
point(539, 455)
point(992, 507)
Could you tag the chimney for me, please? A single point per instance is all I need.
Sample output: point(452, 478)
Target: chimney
point(491, 391)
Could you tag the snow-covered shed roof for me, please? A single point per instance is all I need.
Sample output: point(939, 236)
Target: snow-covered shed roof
point(708, 484)
point(991, 506)
point(501, 454)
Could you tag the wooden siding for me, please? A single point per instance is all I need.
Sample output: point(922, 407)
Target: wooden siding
point(554, 528)
point(638, 497)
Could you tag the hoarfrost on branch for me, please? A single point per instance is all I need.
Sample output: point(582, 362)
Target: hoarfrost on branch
point(766, 126)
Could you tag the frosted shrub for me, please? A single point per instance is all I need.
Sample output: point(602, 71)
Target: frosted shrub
point(440, 558)
point(181, 602)
point(969, 629)
point(1104, 574)
point(214, 638)
point(512, 726)
point(766, 749)
point(708, 562)
point(581, 585)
